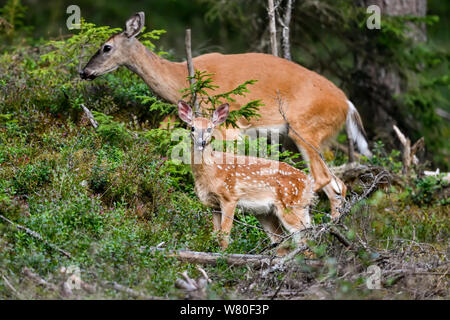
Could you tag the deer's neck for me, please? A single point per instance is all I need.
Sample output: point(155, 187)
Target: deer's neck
point(164, 78)
point(203, 162)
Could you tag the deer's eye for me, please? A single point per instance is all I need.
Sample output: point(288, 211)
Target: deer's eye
point(107, 48)
point(209, 129)
point(192, 129)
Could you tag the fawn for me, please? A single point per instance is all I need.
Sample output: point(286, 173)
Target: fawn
point(278, 194)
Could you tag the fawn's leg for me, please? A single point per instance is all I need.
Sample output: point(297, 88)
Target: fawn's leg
point(226, 222)
point(217, 220)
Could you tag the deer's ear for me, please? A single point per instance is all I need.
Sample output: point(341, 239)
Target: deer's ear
point(135, 24)
point(184, 112)
point(221, 114)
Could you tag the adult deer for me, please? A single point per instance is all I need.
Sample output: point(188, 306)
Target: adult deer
point(276, 193)
point(316, 110)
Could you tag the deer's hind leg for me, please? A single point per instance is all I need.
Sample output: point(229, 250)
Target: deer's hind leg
point(333, 187)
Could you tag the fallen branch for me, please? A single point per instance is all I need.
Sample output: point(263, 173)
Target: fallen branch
point(11, 287)
point(195, 289)
point(437, 173)
point(36, 235)
point(131, 292)
point(234, 259)
point(38, 280)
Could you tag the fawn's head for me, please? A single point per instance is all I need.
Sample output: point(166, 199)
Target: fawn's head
point(116, 50)
point(202, 128)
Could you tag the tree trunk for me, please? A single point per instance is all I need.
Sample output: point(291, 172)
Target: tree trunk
point(272, 27)
point(375, 85)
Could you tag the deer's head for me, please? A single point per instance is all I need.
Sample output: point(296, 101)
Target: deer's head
point(115, 52)
point(202, 128)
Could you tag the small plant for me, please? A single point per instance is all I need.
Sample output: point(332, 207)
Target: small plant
point(112, 131)
point(425, 190)
point(204, 85)
point(391, 161)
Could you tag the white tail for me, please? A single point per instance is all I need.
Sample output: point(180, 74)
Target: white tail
point(356, 129)
point(278, 194)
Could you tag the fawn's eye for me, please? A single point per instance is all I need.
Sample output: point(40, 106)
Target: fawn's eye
point(192, 129)
point(209, 129)
point(107, 48)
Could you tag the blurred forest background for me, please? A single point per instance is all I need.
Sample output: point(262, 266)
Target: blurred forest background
point(391, 75)
point(109, 200)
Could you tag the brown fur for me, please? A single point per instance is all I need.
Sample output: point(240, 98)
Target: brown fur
point(223, 179)
point(315, 108)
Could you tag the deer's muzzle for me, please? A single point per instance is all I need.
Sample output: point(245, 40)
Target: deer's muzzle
point(87, 75)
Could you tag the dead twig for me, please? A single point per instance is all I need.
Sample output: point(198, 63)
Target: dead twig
point(38, 280)
point(196, 289)
point(11, 287)
point(131, 292)
point(191, 71)
point(409, 153)
point(36, 235)
point(90, 116)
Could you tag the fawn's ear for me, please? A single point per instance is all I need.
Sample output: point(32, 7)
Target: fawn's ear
point(221, 114)
point(135, 24)
point(184, 112)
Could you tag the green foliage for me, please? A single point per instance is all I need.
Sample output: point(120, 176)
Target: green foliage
point(146, 39)
point(65, 54)
point(11, 19)
point(203, 87)
point(392, 161)
point(108, 195)
point(424, 191)
point(112, 131)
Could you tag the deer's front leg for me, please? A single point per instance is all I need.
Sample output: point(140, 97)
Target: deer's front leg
point(228, 208)
point(217, 220)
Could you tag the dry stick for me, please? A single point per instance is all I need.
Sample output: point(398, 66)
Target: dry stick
point(36, 235)
point(272, 28)
point(443, 114)
point(38, 280)
point(90, 116)
point(234, 259)
point(10, 286)
point(191, 72)
point(409, 153)
point(129, 291)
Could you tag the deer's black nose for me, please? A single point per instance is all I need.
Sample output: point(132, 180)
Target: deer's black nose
point(86, 75)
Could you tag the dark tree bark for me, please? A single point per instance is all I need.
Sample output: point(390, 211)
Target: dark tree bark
point(375, 84)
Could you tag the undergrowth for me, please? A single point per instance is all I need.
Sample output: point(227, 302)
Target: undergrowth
point(107, 196)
